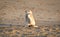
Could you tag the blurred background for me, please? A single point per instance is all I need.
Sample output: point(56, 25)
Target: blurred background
point(45, 12)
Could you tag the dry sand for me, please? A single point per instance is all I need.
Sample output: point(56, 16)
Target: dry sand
point(21, 31)
point(44, 11)
point(46, 14)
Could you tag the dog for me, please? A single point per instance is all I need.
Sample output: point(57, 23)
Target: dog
point(29, 19)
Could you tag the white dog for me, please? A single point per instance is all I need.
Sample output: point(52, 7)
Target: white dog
point(30, 22)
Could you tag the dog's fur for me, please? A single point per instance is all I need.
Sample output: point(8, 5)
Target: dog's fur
point(29, 19)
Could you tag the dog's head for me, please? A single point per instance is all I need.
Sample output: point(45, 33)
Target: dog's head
point(28, 12)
